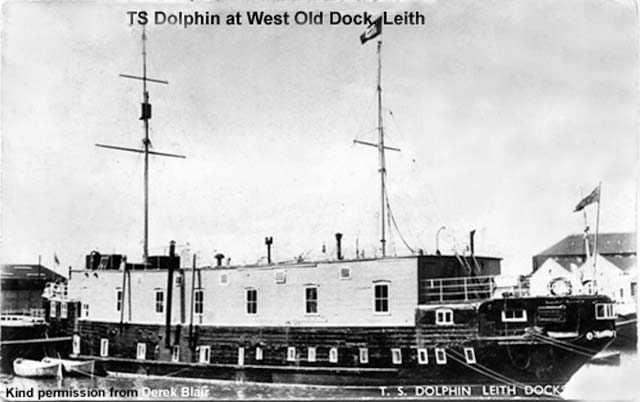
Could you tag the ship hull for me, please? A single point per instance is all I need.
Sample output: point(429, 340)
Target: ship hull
point(13, 346)
point(556, 369)
point(626, 332)
point(500, 360)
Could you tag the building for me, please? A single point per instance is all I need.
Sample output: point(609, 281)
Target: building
point(566, 261)
point(22, 286)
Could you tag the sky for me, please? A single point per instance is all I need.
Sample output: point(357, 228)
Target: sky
point(506, 112)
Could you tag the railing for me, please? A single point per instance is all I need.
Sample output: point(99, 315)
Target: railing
point(28, 312)
point(461, 289)
point(466, 289)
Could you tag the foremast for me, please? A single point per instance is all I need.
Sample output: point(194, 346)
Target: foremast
point(146, 141)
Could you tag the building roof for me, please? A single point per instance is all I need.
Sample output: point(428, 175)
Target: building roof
point(29, 272)
point(624, 263)
point(608, 244)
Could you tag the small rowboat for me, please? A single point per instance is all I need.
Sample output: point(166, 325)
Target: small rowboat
point(73, 367)
point(35, 368)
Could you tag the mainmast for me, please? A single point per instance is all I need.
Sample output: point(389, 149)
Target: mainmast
point(146, 142)
point(382, 168)
point(372, 31)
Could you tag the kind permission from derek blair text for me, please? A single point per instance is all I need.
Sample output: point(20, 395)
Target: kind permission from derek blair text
point(263, 18)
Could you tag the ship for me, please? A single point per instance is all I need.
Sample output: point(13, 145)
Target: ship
point(377, 321)
point(24, 330)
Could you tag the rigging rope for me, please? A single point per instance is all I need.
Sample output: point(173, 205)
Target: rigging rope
point(567, 346)
point(395, 224)
point(486, 371)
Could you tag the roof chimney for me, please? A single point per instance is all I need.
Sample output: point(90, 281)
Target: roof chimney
point(471, 245)
point(339, 245)
point(268, 241)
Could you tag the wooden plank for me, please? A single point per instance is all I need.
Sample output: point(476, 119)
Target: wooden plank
point(38, 340)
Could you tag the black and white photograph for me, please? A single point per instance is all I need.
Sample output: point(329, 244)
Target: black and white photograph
point(319, 200)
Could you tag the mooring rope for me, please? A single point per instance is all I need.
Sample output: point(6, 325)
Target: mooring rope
point(567, 346)
point(487, 372)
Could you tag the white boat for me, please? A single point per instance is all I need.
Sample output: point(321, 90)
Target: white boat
point(73, 367)
point(35, 368)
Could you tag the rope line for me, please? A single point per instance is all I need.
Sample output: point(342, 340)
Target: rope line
point(487, 372)
point(395, 224)
point(567, 346)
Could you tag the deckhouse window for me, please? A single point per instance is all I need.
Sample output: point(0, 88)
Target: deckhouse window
point(63, 310)
point(311, 355)
point(396, 356)
point(444, 316)
point(85, 309)
point(280, 276)
point(333, 355)
point(198, 302)
point(381, 297)
point(470, 355)
point(252, 301)
point(223, 279)
point(311, 299)
point(141, 351)
point(514, 315)
point(364, 355)
point(605, 311)
point(423, 357)
point(175, 353)
point(258, 353)
point(159, 301)
point(118, 299)
point(345, 273)
point(291, 354)
point(53, 306)
point(441, 356)
point(240, 356)
point(204, 354)
point(104, 347)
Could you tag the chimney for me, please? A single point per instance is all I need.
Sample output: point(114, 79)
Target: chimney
point(471, 246)
point(219, 258)
point(339, 245)
point(268, 241)
point(169, 306)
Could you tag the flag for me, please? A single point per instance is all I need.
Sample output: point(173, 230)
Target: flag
point(372, 30)
point(55, 259)
point(590, 199)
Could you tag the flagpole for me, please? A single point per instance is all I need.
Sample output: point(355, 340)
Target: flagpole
point(595, 240)
point(381, 151)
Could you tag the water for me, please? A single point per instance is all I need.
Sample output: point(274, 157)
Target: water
point(592, 382)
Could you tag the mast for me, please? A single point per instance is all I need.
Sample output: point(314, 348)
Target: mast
point(373, 31)
point(595, 240)
point(146, 142)
point(382, 168)
point(146, 106)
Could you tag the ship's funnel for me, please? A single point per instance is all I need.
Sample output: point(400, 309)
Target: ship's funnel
point(268, 241)
point(339, 245)
point(219, 258)
point(172, 248)
point(471, 245)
